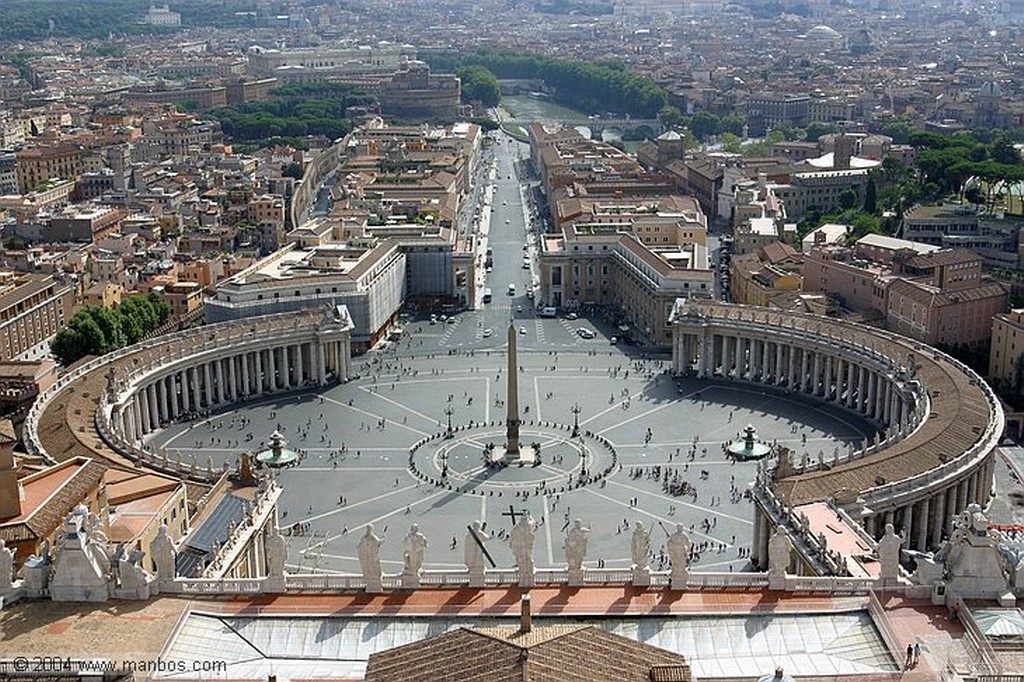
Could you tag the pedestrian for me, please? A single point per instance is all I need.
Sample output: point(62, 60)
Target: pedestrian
point(910, 656)
point(917, 652)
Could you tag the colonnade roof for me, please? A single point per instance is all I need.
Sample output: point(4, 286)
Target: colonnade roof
point(961, 408)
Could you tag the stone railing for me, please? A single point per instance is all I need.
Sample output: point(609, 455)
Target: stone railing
point(506, 577)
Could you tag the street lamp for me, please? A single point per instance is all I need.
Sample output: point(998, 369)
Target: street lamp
point(448, 411)
point(576, 420)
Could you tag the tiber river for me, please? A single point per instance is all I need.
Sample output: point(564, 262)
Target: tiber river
point(534, 108)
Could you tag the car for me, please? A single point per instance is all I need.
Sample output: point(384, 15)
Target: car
point(451, 320)
point(506, 221)
point(571, 316)
point(586, 334)
point(522, 330)
point(614, 340)
point(487, 332)
point(519, 308)
point(529, 294)
point(526, 265)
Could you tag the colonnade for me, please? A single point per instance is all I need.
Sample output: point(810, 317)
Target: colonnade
point(222, 377)
point(856, 381)
point(941, 422)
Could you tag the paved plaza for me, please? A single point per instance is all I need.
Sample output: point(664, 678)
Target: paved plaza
point(648, 433)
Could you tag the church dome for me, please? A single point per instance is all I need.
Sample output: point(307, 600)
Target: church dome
point(823, 33)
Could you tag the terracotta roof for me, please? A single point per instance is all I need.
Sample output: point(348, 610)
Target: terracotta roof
point(562, 654)
point(944, 257)
point(41, 520)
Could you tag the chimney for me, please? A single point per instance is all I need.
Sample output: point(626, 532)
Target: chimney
point(525, 617)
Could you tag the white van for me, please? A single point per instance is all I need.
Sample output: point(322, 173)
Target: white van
point(511, 289)
point(548, 311)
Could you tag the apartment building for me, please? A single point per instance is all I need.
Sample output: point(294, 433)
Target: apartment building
point(1007, 345)
point(36, 165)
point(757, 278)
point(937, 296)
point(769, 110)
point(32, 309)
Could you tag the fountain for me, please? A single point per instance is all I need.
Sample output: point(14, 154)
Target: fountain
point(748, 447)
point(276, 455)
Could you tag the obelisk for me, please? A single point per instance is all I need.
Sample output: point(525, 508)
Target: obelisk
point(512, 418)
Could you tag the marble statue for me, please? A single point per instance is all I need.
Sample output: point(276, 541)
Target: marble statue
point(415, 545)
point(162, 548)
point(889, 554)
point(780, 549)
point(576, 545)
point(472, 551)
point(82, 565)
point(6, 567)
point(369, 558)
point(640, 547)
point(521, 540)
point(276, 551)
point(678, 547)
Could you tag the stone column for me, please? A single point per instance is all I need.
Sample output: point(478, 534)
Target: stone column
point(725, 356)
point(791, 372)
point(260, 378)
point(272, 368)
point(299, 369)
point(872, 394)
point(826, 383)
point(816, 373)
point(162, 395)
point(869, 526)
point(922, 525)
point(972, 488)
point(804, 378)
point(850, 368)
point(908, 525)
point(219, 366)
point(321, 363)
point(175, 408)
point(207, 384)
point(143, 398)
point(131, 418)
point(961, 497)
point(232, 387)
point(197, 399)
point(939, 518)
point(246, 383)
point(862, 396)
point(741, 357)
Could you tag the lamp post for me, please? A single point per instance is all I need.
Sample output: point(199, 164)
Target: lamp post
point(448, 411)
point(576, 420)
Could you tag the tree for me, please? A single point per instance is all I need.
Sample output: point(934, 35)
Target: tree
point(479, 85)
point(1004, 152)
point(870, 195)
point(670, 116)
point(816, 130)
point(847, 199)
point(292, 170)
point(703, 124)
point(731, 124)
point(730, 143)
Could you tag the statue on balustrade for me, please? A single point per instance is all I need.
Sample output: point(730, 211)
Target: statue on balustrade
point(415, 546)
point(162, 548)
point(576, 546)
point(640, 547)
point(889, 554)
point(276, 551)
point(521, 540)
point(780, 549)
point(6, 567)
point(473, 552)
point(678, 547)
point(369, 558)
